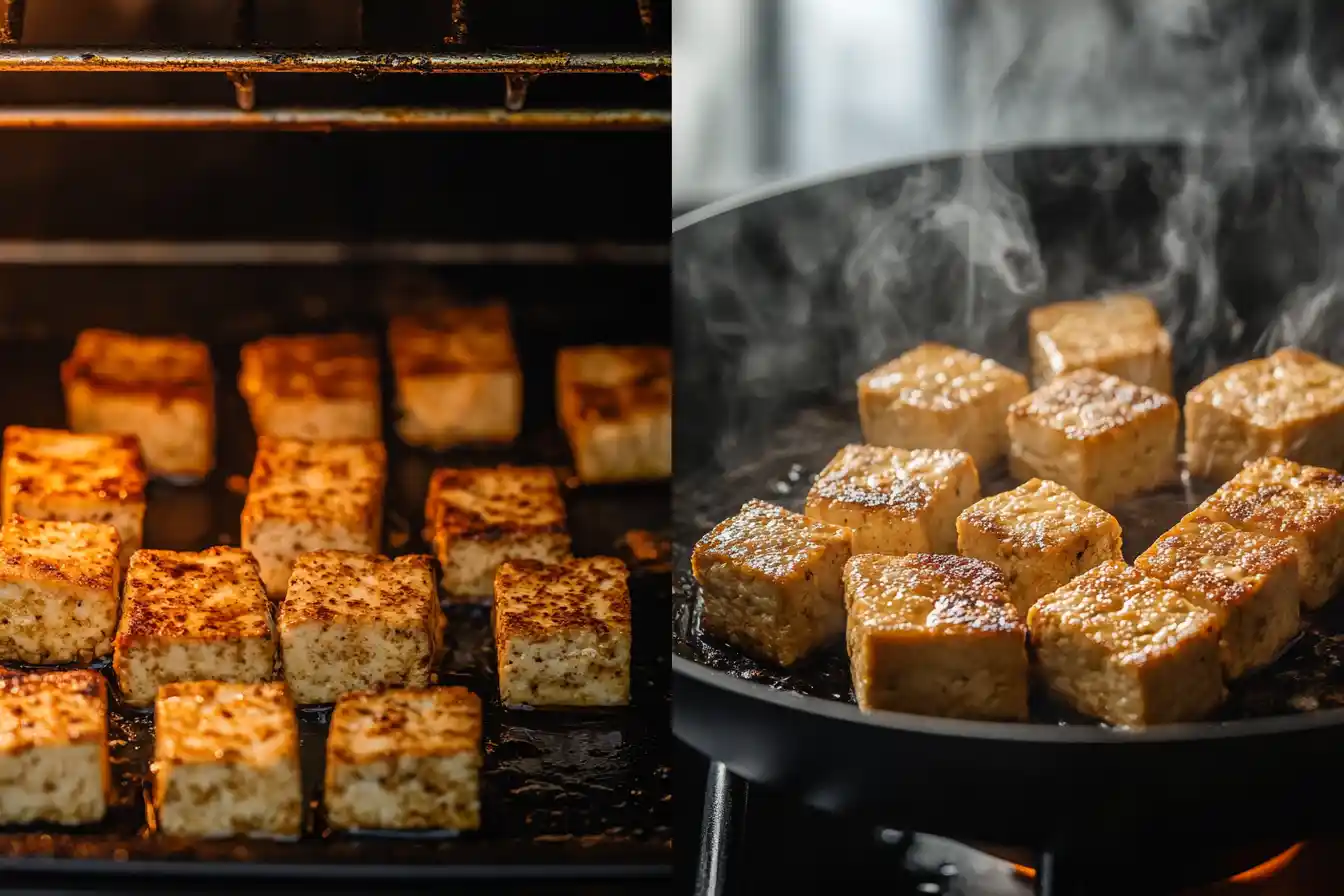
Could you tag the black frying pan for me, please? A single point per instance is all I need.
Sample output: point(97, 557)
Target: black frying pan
point(783, 299)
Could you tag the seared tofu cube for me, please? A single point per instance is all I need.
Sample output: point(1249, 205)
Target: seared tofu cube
point(317, 388)
point(615, 406)
point(1289, 405)
point(312, 496)
point(562, 632)
point(772, 582)
point(226, 760)
point(1122, 647)
point(1246, 580)
point(1040, 534)
point(51, 474)
point(192, 617)
point(58, 591)
point(937, 396)
point(1097, 435)
point(1120, 335)
point(935, 635)
point(352, 622)
point(405, 759)
point(478, 518)
point(53, 748)
point(896, 501)
point(160, 390)
point(458, 379)
point(1283, 499)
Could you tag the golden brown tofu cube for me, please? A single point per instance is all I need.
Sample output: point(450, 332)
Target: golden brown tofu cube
point(159, 389)
point(1040, 534)
point(936, 396)
point(1120, 335)
point(772, 581)
point(615, 407)
point(354, 622)
point(58, 590)
point(312, 496)
point(562, 632)
point(896, 501)
point(315, 388)
point(458, 379)
point(53, 748)
point(936, 635)
point(51, 474)
point(1097, 435)
point(1120, 646)
point(1283, 499)
point(1246, 580)
point(478, 518)
point(405, 759)
point(1289, 405)
point(192, 616)
point(226, 760)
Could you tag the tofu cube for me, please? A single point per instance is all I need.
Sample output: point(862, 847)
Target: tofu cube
point(1283, 499)
point(312, 496)
point(316, 388)
point(192, 617)
point(458, 378)
point(937, 396)
point(615, 406)
point(405, 759)
point(58, 591)
point(1097, 435)
point(1040, 534)
point(772, 582)
point(53, 748)
point(478, 518)
point(160, 390)
point(51, 474)
point(1121, 335)
point(226, 760)
point(896, 501)
point(1246, 580)
point(1289, 405)
point(352, 622)
point(1122, 647)
point(935, 635)
point(562, 632)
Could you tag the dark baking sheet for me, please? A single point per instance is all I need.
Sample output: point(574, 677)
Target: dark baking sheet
point(564, 793)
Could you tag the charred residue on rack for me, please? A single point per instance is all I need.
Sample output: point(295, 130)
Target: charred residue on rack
point(11, 21)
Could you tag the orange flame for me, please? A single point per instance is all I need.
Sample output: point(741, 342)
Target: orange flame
point(1259, 872)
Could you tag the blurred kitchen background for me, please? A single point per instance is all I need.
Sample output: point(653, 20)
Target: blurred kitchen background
point(772, 90)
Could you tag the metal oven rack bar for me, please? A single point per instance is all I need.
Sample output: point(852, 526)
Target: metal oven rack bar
point(242, 65)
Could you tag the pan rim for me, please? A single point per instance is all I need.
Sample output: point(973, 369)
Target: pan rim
point(972, 729)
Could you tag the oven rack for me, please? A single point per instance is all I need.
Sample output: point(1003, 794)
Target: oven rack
point(245, 62)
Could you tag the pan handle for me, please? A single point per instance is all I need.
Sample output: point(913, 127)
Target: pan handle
point(725, 798)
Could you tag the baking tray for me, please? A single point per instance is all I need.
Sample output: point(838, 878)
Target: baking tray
point(564, 793)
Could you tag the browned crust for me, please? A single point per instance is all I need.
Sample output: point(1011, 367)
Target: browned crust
point(1102, 403)
point(392, 717)
point(26, 444)
point(163, 618)
point(81, 682)
point(445, 517)
point(407, 332)
point(334, 366)
point(281, 460)
point(646, 390)
point(1275, 506)
point(17, 563)
point(90, 365)
point(977, 602)
point(554, 603)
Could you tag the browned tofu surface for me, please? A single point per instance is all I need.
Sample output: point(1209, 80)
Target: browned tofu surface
point(1303, 504)
point(1247, 580)
point(1040, 534)
point(52, 474)
point(771, 581)
point(896, 501)
point(615, 406)
point(1121, 646)
point(1290, 405)
point(321, 387)
point(405, 759)
point(1120, 334)
point(937, 396)
point(458, 377)
point(1101, 437)
point(159, 389)
point(935, 634)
